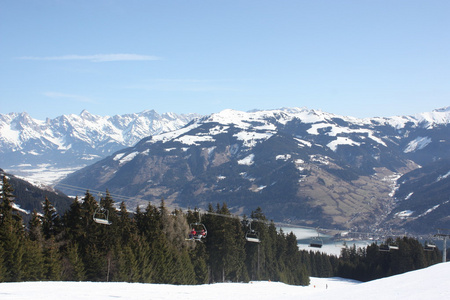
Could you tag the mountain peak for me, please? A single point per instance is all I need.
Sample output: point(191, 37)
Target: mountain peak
point(85, 114)
point(442, 109)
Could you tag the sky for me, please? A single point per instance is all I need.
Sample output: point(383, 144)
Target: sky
point(428, 283)
point(360, 58)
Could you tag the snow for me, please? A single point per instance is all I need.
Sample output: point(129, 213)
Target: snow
point(325, 160)
point(218, 130)
point(168, 136)
point(303, 143)
point(250, 138)
point(42, 174)
point(315, 127)
point(333, 130)
point(417, 144)
point(429, 283)
point(17, 207)
point(258, 189)
point(341, 141)
point(194, 139)
point(429, 210)
point(409, 196)
point(443, 176)
point(284, 157)
point(248, 160)
point(404, 214)
point(123, 158)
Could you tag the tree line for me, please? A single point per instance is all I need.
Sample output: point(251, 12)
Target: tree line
point(151, 245)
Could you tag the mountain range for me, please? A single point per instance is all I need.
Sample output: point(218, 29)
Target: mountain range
point(301, 166)
point(31, 147)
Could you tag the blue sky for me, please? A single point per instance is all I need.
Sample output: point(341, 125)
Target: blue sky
point(360, 58)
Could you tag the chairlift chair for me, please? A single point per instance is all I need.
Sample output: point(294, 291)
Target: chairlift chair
point(393, 247)
point(101, 216)
point(388, 246)
point(429, 246)
point(316, 242)
point(252, 236)
point(198, 232)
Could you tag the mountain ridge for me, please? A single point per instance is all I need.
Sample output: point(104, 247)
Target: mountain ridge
point(73, 141)
point(303, 166)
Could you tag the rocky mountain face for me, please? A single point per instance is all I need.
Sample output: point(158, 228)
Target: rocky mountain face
point(423, 199)
point(300, 166)
point(70, 142)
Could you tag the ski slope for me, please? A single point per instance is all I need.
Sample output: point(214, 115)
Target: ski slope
point(429, 283)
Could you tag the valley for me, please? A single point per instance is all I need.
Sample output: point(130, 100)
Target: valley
point(302, 167)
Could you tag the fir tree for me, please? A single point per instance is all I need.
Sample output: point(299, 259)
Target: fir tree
point(12, 235)
point(35, 232)
point(52, 261)
point(72, 266)
point(33, 261)
point(50, 220)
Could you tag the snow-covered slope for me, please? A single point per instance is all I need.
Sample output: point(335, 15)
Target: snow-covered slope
point(429, 283)
point(69, 142)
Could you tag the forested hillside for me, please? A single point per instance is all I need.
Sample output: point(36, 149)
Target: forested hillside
point(153, 245)
point(30, 197)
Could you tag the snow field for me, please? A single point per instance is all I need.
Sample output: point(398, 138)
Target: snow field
point(429, 283)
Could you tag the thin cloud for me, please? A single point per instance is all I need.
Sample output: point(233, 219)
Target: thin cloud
point(56, 95)
point(96, 57)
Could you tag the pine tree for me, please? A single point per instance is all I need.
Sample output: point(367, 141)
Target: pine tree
point(126, 228)
point(33, 261)
point(226, 246)
point(73, 225)
point(199, 261)
point(6, 199)
point(2, 267)
point(126, 264)
point(72, 266)
point(50, 221)
point(35, 232)
point(12, 235)
point(52, 261)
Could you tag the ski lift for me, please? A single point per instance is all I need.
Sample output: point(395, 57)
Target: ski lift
point(393, 247)
point(101, 216)
point(252, 235)
point(388, 246)
point(429, 246)
point(316, 242)
point(384, 248)
point(198, 232)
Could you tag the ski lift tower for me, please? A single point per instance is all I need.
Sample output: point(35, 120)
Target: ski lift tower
point(444, 236)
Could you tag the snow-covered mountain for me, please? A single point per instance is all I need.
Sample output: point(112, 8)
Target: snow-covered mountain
point(70, 142)
point(302, 166)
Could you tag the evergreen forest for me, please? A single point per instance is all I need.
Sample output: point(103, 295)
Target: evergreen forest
point(152, 245)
